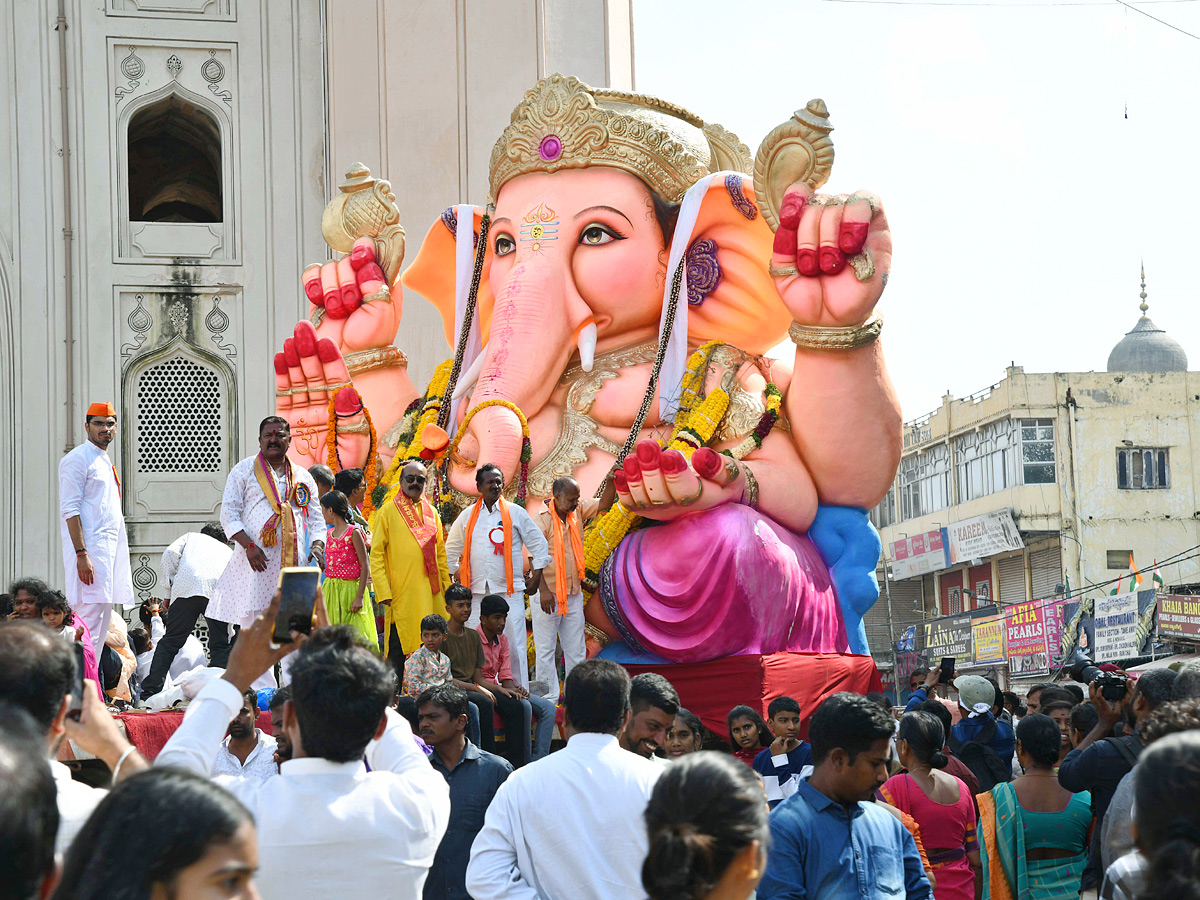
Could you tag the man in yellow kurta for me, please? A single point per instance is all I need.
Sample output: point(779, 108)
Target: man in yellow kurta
point(408, 564)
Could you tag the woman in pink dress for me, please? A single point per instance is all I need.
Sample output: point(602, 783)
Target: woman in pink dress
point(941, 805)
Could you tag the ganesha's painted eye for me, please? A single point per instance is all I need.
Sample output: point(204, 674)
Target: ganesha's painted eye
point(595, 235)
point(504, 245)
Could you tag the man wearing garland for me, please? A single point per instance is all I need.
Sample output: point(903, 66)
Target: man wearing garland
point(270, 511)
point(484, 550)
point(408, 564)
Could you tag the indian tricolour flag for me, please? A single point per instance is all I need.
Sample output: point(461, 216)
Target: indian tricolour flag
point(1157, 580)
point(1136, 576)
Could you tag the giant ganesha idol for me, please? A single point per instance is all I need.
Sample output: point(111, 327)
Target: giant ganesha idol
point(608, 312)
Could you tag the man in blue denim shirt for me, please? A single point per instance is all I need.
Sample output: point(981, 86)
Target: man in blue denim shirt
point(829, 840)
point(474, 776)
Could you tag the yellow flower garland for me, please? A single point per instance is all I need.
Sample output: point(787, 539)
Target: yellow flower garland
point(424, 415)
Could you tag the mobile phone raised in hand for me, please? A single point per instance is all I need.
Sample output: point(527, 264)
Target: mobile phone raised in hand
point(947, 670)
point(297, 596)
point(77, 685)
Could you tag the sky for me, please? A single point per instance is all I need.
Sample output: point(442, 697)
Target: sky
point(1030, 156)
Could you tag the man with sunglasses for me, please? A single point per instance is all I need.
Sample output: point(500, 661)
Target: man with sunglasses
point(408, 564)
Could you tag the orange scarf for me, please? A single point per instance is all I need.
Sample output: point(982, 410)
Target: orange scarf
point(506, 523)
point(560, 554)
point(423, 526)
point(282, 516)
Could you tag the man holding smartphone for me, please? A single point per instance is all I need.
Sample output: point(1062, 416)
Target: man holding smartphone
point(270, 511)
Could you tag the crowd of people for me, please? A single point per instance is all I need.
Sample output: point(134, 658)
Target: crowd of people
point(383, 771)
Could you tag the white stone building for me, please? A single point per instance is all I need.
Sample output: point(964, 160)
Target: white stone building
point(1093, 467)
point(164, 168)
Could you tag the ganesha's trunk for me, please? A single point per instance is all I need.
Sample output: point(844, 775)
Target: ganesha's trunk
point(527, 351)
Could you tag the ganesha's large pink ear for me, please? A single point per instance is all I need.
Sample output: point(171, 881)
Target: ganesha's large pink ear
point(730, 295)
point(434, 274)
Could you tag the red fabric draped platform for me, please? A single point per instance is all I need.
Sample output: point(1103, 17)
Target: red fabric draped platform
point(149, 732)
point(710, 689)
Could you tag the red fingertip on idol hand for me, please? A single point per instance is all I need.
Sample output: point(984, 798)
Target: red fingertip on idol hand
point(362, 252)
point(289, 352)
point(806, 262)
point(306, 340)
point(672, 462)
point(328, 351)
point(312, 285)
point(832, 260)
point(334, 305)
point(347, 402)
point(281, 366)
point(790, 211)
point(648, 454)
point(370, 278)
point(619, 481)
point(785, 242)
point(707, 462)
point(633, 472)
point(852, 237)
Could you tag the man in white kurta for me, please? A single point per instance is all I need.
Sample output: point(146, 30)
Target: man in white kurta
point(245, 588)
point(489, 573)
point(95, 547)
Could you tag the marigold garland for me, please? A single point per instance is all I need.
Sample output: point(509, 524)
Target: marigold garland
point(333, 460)
point(694, 428)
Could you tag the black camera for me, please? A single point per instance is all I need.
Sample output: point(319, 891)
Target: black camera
point(1110, 684)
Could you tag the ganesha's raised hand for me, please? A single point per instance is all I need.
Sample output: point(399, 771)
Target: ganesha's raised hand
point(352, 301)
point(831, 256)
point(309, 372)
point(662, 484)
point(356, 314)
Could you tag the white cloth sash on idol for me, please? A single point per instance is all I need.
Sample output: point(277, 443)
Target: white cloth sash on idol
point(670, 378)
point(464, 269)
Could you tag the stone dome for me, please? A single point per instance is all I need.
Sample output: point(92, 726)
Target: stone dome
point(1147, 348)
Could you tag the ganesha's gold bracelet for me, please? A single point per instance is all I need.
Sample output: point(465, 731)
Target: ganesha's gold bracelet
point(750, 491)
point(596, 634)
point(819, 337)
point(368, 360)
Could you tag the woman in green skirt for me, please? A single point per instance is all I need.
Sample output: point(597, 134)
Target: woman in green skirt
point(347, 570)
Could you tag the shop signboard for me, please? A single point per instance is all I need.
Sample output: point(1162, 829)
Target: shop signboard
point(1025, 633)
point(1179, 617)
point(948, 636)
point(987, 635)
point(982, 536)
point(919, 555)
point(1054, 612)
point(1116, 620)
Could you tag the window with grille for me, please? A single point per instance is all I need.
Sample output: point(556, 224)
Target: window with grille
point(181, 412)
point(1037, 451)
point(1141, 469)
point(884, 514)
point(924, 482)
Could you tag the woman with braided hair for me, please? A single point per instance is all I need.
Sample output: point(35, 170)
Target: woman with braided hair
point(707, 819)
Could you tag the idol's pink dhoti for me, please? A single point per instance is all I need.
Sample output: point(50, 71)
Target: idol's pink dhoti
point(724, 581)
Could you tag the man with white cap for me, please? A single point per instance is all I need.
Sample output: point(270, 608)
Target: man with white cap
point(976, 697)
point(95, 546)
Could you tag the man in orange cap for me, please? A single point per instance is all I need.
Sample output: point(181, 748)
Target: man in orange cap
point(95, 546)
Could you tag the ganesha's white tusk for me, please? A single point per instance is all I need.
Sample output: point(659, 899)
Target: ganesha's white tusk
point(587, 345)
point(467, 379)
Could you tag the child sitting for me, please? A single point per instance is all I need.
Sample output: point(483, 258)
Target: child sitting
point(515, 704)
point(748, 733)
point(788, 759)
point(347, 570)
point(427, 666)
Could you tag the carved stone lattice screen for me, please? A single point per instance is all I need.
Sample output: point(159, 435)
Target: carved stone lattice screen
point(180, 415)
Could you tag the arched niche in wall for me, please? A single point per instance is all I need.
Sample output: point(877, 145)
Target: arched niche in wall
point(180, 405)
point(174, 163)
point(175, 179)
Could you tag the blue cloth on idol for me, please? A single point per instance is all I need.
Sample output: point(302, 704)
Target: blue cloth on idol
point(819, 849)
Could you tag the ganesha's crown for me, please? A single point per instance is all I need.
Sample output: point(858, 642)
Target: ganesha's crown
point(564, 124)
